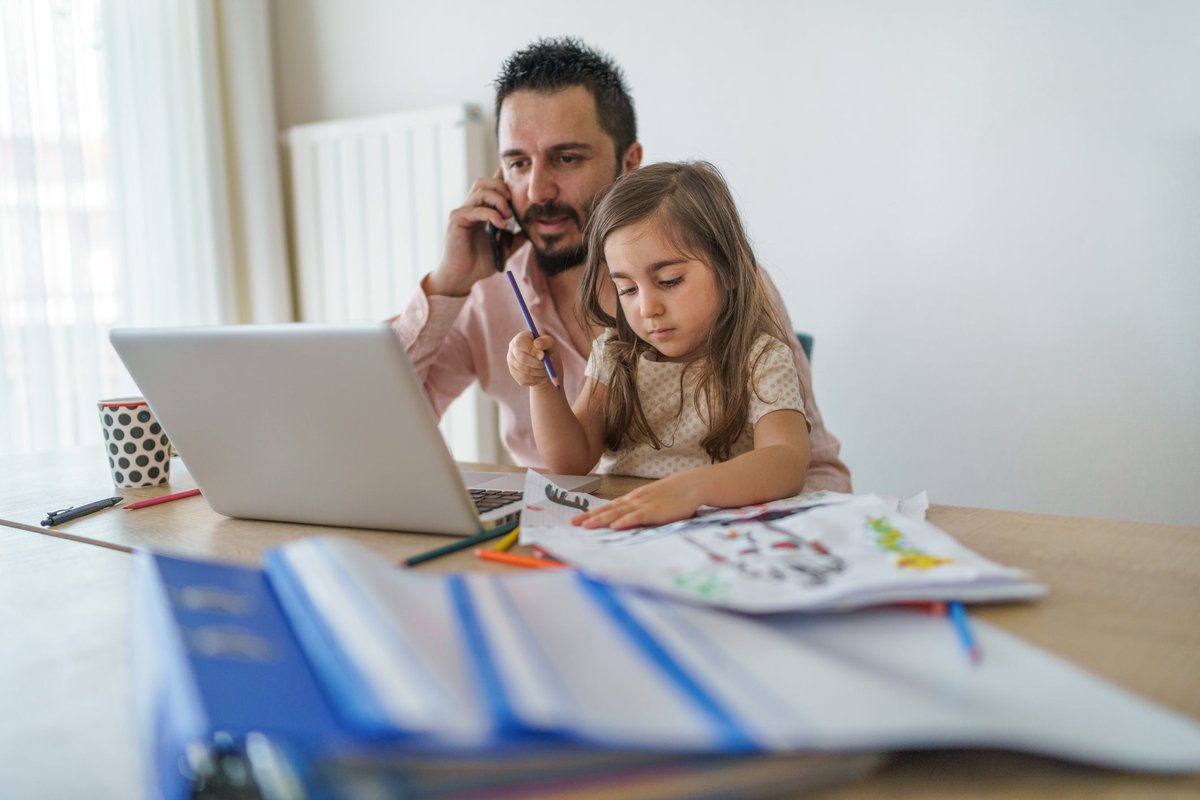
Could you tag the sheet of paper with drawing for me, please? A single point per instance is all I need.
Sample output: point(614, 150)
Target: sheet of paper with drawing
point(813, 552)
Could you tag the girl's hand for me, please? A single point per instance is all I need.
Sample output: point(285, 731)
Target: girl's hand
point(525, 356)
point(667, 500)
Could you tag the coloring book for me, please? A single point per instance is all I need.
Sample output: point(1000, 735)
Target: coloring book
point(813, 552)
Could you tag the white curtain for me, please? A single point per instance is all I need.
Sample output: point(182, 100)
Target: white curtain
point(139, 185)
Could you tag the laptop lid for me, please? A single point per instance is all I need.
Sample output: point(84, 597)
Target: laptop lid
point(315, 423)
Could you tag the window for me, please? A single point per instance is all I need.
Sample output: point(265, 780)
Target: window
point(116, 200)
point(58, 277)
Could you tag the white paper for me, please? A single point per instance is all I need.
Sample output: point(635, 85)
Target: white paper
point(629, 669)
point(402, 635)
point(812, 552)
point(611, 693)
point(889, 678)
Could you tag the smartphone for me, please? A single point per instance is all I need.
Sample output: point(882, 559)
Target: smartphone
point(501, 240)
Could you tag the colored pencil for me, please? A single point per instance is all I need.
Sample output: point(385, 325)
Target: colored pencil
point(512, 280)
point(461, 544)
point(166, 498)
point(938, 609)
point(519, 561)
point(508, 541)
point(958, 615)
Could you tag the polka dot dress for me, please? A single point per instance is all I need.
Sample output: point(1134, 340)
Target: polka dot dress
point(681, 431)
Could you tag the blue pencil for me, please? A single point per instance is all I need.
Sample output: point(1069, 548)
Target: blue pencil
point(958, 615)
point(532, 328)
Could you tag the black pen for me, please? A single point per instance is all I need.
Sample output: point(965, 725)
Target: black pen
point(74, 512)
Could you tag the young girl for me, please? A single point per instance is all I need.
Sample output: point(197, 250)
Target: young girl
point(691, 381)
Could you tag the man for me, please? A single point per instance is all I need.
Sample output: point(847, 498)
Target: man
point(566, 129)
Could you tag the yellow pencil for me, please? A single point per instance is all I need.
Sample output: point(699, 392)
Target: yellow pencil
point(509, 540)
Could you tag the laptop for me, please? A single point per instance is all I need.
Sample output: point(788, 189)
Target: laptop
point(325, 424)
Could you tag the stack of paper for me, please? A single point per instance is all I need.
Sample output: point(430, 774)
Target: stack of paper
point(477, 662)
point(229, 700)
point(809, 553)
point(539, 684)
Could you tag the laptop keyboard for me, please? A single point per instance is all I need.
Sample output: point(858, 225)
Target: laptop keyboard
point(490, 499)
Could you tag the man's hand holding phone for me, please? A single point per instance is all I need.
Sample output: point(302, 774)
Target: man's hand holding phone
point(472, 250)
point(502, 241)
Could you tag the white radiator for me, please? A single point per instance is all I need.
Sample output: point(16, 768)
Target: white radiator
point(370, 199)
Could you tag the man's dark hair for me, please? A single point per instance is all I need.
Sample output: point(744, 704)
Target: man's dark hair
point(549, 65)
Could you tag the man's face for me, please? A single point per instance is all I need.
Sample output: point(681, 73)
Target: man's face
point(556, 159)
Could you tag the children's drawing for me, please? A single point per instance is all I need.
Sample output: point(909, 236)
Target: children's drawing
point(908, 557)
point(759, 548)
point(564, 498)
point(810, 552)
point(702, 583)
point(789, 557)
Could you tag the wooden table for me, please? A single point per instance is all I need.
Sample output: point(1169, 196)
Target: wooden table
point(66, 720)
point(30, 486)
point(1123, 603)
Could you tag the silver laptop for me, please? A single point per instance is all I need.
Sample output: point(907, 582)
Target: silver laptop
point(315, 423)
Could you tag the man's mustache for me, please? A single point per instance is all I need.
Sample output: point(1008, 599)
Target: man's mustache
point(542, 210)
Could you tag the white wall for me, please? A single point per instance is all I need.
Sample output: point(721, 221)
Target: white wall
point(988, 213)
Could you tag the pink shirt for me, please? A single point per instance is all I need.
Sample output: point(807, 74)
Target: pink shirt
point(453, 341)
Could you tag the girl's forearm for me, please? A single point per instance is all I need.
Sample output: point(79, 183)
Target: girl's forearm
point(559, 435)
point(763, 474)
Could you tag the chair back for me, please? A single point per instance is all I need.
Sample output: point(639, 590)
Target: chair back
point(806, 343)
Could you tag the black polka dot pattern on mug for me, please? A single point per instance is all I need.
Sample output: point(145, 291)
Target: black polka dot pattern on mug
point(134, 440)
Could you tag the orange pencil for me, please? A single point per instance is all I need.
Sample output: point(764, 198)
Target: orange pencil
point(935, 607)
point(166, 498)
point(518, 561)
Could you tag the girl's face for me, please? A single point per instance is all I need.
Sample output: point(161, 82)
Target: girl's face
point(670, 300)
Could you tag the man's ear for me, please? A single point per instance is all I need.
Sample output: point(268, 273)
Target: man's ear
point(632, 158)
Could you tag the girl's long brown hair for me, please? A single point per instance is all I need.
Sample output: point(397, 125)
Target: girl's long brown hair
point(695, 211)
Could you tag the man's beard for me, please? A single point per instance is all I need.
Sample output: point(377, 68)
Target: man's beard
point(553, 263)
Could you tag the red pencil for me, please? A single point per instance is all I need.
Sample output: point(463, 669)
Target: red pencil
point(935, 607)
point(518, 561)
point(166, 498)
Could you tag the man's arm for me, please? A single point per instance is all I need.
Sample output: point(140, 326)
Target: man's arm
point(438, 347)
point(441, 351)
point(825, 467)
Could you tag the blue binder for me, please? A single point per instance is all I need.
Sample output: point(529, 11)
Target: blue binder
point(216, 661)
point(229, 659)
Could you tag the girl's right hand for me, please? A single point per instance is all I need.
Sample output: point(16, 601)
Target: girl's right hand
point(667, 500)
point(525, 356)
